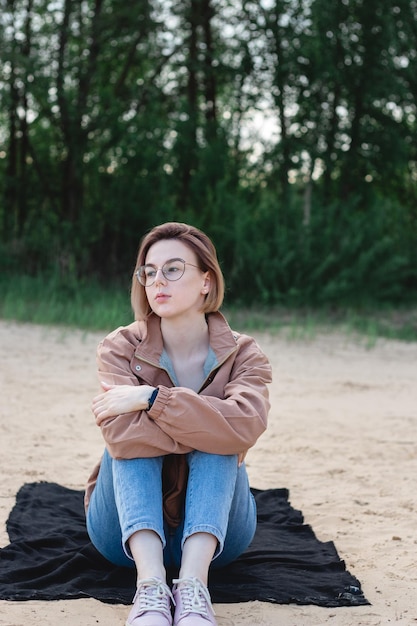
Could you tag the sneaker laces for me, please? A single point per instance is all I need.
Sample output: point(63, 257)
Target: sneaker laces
point(194, 595)
point(152, 594)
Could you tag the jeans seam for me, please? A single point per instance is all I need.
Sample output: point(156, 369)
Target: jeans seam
point(135, 528)
point(204, 528)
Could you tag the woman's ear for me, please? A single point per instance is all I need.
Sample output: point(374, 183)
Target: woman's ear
point(206, 286)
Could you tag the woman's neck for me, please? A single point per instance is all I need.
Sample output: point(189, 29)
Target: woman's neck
point(183, 338)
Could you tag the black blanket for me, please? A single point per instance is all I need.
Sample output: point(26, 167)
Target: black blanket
point(50, 557)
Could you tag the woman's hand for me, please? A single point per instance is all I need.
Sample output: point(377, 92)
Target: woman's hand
point(118, 399)
point(241, 458)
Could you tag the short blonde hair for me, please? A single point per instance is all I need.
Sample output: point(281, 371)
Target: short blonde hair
point(207, 260)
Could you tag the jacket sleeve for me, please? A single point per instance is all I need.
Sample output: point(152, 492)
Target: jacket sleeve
point(228, 424)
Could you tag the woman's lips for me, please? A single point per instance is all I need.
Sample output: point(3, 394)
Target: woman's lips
point(161, 297)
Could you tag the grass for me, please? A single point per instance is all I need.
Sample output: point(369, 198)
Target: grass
point(88, 306)
point(372, 322)
point(91, 306)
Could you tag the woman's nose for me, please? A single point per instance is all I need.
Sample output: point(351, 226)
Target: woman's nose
point(159, 278)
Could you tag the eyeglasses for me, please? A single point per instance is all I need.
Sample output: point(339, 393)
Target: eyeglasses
point(172, 270)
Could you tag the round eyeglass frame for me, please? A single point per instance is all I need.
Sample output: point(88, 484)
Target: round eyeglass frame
point(145, 281)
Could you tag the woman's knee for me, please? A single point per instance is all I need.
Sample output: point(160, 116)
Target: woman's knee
point(223, 463)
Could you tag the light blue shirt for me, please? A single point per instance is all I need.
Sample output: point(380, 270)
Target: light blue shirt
point(209, 364)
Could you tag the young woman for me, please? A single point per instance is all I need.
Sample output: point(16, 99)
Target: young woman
point(183, 398)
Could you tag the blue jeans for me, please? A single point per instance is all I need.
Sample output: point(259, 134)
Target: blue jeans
point(128, 497)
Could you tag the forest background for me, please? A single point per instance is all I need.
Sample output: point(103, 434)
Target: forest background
point(286, 129)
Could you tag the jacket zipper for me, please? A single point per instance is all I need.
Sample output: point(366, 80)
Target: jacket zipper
point(209, 377)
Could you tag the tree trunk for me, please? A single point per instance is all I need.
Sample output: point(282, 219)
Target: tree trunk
point(188, 159)
point(9, 226)
point(209, 74)
point(281, 83)
point(24, 130)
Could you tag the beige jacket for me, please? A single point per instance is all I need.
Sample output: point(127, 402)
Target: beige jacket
point(226, 416)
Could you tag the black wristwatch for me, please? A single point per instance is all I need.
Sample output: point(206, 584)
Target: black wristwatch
point(152, 398)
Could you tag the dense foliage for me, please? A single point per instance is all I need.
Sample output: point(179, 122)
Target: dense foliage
point(284, 128)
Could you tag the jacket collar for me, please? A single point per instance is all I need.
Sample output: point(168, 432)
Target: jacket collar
point(222, 339)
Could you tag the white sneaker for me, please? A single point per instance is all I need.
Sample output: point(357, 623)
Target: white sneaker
point(151, 604)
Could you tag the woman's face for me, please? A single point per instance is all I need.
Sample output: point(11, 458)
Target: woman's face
point(175, 298)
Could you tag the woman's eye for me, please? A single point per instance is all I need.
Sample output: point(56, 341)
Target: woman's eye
point(150, 273)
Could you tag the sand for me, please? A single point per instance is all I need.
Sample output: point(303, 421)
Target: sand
point(341, 438)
